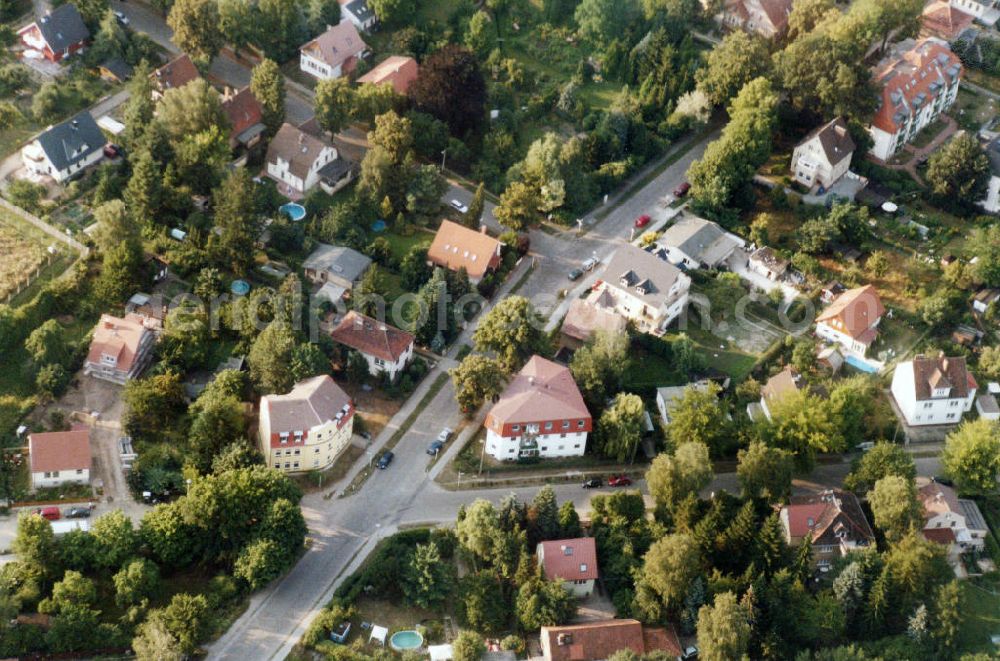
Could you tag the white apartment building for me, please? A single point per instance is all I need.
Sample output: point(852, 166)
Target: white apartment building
point(933, 391)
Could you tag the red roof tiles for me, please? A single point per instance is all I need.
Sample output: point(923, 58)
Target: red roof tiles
point(569, 559)
point(59, 451)
point(372, 337)
point(854, 313)
point(914, 79)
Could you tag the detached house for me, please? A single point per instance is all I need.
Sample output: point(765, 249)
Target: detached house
point(767, 18)
point(307, 428)
point(852, 319)
point(695, 243)
point(359, 13)
point(766, 262)
point(915, 88)
point(176, 73)
point(642, 287)
point(246, 117)
point(823, 156)
point(334, 53)
point(337, 269)
point(64, 150)
point(456, 247)
point(540, 414)
point(933, 391)
point(58, 34)
point(778, 386)
point(121, 348)
point(832, 520)
point(396, 70)
point(985, 11)
point(59, 457)
point(386, 348)
point(299, 161)
point(596, 641)
point(573, 561)
point(950, 519)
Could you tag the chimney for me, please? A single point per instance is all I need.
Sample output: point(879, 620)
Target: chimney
point(482, 228)
point(531, 380)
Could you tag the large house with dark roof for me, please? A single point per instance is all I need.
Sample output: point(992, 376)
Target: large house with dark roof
point(596, 641)
point(833, 521)
point(307, 428)
point(933, 391)
point(386, 348)
point(299, 161)
point(59, 457)
point(572, 561)
point(334, 53)
point(852, 319)
point(540, 414)
point(58, 34)
point(641, 287)
point(64, 150)
point(915, 87)
point(823, 156)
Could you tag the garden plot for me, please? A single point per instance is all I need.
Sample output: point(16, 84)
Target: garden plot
point(24, 258)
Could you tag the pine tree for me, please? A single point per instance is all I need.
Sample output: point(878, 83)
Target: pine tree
point(428, 581)
point(236, 217)
point(545, 515)
point(569, 521)
point(738, 538)
point(473, 216)
point(693, 602)
point(771, 548)
point(948, 617)
point(140, 106)
point(142, 195)
point(878, 605)
point(804, 560)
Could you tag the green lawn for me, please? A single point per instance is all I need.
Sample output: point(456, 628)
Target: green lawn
point(401, 244)
point(981, 612)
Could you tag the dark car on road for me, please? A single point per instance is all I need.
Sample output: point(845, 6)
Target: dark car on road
point(682, 190)
point(574, 274)
point(593, 484)
point(78, 513)
point(434, 448)
point(385, 460)
point(619, 481)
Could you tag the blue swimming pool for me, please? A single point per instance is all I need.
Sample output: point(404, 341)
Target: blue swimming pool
point(859, 364)
point(406, 640)
point(294, 211)
point(379, 225)
point(240, 287)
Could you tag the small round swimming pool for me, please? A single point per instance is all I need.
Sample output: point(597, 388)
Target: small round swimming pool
point(240, 287)
point(379, 225)
point(406, 640)
point(294, 211)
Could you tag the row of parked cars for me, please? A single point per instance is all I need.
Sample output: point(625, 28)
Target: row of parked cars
point(53, 513)
point(436, 445)
point(613, 481)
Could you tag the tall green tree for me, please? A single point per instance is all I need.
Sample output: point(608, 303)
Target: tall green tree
point(451, 87)
point(971, 456)
point(542, 603)
point(619, 429)
point(736, 61)
point(668, 570)
point(895, 507)
point(698, 416)
point(334, 104)
point(48, 344)
point(544, 515)
point(269, 358)
point(765, 472)
point(603, 21)
point(114, 539)
point(236, 217)
point(196, 28)
point(959, 170)
point(477, 379)
point(143, 194)
point(191, 110)
point(599, 365)
point(723, 629)
point(268, 86)
point(281, 28)
point(513, 330)
point(518, 206)
point(673, 477)
point(429, 580)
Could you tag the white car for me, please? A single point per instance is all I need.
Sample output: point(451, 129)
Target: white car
point(590, 263)
point(461, 207)
point(121, 17)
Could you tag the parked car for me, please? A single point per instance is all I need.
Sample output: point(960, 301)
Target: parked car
point(642, 221)
point(690, 653)
point(619, 481)
point(434, 448)
point(121, 18)
point(444, 435)
point(50, 513)
point(593, 484)
point(78, 513)
point(682, 190)
point(574, 274)
point(112, 150)
point(385, 460)
point(461, 207)
point(941, 479)
point(590, 263)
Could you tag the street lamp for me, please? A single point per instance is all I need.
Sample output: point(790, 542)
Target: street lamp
point(444, 155)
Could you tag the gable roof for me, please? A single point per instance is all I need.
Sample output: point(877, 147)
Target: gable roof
point(312, 402)
point(941, 19)
point(63, 27)
point(583, 319)
point(337, 45)
point(818, 514)
point(938, 498)
point(854, 313)
point(835, 140)
point(456, 246)
point(398, 70)
point(569, 559)
point(372, 337)
point(242, 109)
point(913, 79)
point(359, 9)
point(178, 72)
point(120, 338)
point(700, 239)
point(941, 372)
point(59, 450)
point(72, 141)
point(346, 263)
point(599, 640)
point(299, 149)
point(542, 390)
point(782, 383)
point(632, 266)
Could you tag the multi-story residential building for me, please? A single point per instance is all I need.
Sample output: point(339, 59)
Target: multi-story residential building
point(933, 391)
point(334, 53)
point(386, 348)
point(640, 286)
point(65, 150)
point(573, 561)
point(915, 86)
point(59, 457)
point(832, 520)
point(852, 319)
point(298, 161)
point(540, 414)
point(823, 156)
point(944, 510)
point(307, 428)
point(120, 348)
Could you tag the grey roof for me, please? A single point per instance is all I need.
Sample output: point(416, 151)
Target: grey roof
point(63, 27)
point(700, 239)
point(72, 141)
point(345, 262)
point(311, 402)
point(360, 9)
point(631, 267)
point(670, 394)
point(987, 404)
point(835, 139)
point(973, 517)
point(119, 67)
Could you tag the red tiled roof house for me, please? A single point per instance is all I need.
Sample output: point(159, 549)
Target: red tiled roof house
point(915, 88)
point(944, 512)
point(246, 117)
point(540, 414)
point(176, 73)
point(852, 319)
point(595, 641)
point(456, 246)
point(396, 70)
point(833, 520)
point(59, 457)
point(386, 348)
point(933, 391)
point(120, 348)
point(307, 428)
point(573, 561)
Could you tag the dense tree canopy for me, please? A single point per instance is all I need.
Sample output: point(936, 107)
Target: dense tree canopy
point(451, 87)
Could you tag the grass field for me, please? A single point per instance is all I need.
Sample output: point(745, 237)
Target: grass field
point(981, 611)
point(24, 253)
